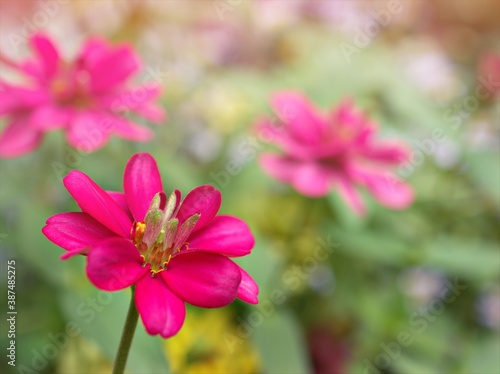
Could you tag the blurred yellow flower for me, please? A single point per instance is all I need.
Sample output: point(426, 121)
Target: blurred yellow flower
point(225, 109)
point(82, 356)
point(200, 347)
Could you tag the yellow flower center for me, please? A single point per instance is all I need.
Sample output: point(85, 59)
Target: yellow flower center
point(160, 236)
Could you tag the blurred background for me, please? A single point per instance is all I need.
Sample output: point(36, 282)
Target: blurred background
point(413, 291)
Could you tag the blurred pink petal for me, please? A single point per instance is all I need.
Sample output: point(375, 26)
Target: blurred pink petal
point(278, 166)
point(18, 139)
point(84, 133)
point(131, 131)
point(112, 68)
point(293, 108)
point(389, 191)
point(49, 117)
point(310, 179)
point(347, 191)
point(47, 54)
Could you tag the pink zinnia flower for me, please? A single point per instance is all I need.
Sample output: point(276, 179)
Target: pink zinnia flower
point(335, 150)
point(173, 251)
point(87, 97)
point(489, 73)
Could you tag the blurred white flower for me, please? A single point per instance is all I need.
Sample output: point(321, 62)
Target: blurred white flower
point(448, 154)
point(429, 68)
point(483, 134)
point(488, 309)
point(204, 145)
point(421, 285)
point(322, 280)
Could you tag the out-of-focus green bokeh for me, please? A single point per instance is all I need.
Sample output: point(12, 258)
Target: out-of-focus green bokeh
point(402, 292)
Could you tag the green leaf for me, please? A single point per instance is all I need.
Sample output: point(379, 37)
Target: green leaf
point(281, 344)
point(483, 356)
point(374, 246)
point(101, 316)
point(484, 169)
point(473, 260)
point(345, 215)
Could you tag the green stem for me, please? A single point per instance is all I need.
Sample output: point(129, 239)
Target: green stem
point(127, 336)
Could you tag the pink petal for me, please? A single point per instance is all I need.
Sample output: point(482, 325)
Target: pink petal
point(35, 69)
point(205, 200)
point(113, 68)
point(248, 289)
point(178, 200)
point(115, 264)
point(298, 149)
point(152, 112)
point(75, 252)
point(129, 130)
point(348, 193)
point(388, 190)
point(93, 51)
point(138, 99)
point(75, 230)
point(120, 199)
point(49, 117)
point(350, 121)
point(206, 280)
point(224, 235)
point(279, 167)
point(161, 311)
point(293, 108)
point(386, 152)
point(19, 138)
point(15, 98)
point(345, 115)
point(312, 180)
point(85, 132)
point(47, 53)
point(141, 181)
point(93, 200)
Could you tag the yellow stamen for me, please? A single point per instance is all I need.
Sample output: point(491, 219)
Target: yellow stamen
point(140, 227)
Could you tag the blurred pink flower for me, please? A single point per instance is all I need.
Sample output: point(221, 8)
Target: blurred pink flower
point(336, 150)
point(86, 97)
point(330, 353)
point(489, 72)
point(173, 251)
